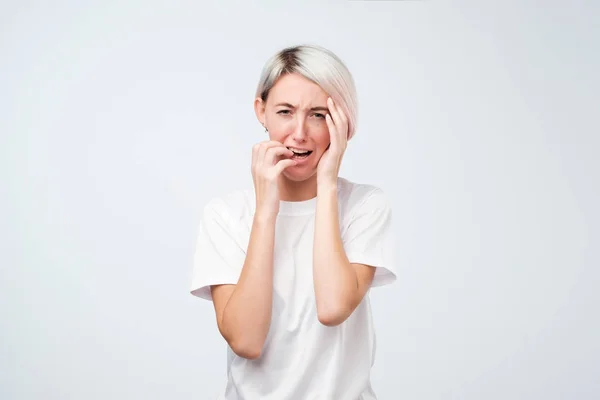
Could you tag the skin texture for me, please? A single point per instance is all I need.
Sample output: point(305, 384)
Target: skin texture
point(300, 115)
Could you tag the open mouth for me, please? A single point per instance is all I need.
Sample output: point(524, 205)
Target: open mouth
point(300, 154)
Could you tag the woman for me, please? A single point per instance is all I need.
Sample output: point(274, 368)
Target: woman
point(288, 263)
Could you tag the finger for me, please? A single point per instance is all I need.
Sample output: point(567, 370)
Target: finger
point(333, 136)
point(263, 147)
point(283, 164)
point(339, 119)
point(274, 152)
point(333, 111)
point(271, 143)
point(343, 135)
point(255, 150)
point(335, 120)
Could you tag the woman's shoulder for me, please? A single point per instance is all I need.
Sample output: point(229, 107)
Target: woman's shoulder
point(359, 194)
point(232, 205)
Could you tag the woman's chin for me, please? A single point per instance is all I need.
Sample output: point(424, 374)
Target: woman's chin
point(296, 174)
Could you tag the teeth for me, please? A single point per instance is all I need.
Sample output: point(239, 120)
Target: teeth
point(298, 151)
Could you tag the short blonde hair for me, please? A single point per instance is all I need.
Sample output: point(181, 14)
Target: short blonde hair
point(318, 65)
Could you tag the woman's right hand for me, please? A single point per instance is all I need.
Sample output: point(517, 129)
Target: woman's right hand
point(269, 159)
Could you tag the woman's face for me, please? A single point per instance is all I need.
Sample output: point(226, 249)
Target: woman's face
point(294, 115)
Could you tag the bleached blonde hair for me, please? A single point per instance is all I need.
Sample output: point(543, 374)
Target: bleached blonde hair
point(318, 65)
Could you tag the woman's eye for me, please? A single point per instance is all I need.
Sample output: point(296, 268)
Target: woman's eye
point(319, 115)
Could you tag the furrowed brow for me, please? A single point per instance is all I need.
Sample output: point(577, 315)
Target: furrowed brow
point(318, 108)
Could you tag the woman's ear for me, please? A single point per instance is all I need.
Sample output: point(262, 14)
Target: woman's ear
point(259, 110)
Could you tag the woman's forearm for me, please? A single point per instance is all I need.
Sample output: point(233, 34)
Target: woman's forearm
point(335, 281)
point(247, 315)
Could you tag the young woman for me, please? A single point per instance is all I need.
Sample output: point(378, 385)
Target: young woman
point(288, 263)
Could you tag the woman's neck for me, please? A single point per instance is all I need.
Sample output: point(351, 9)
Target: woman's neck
point(297, 191)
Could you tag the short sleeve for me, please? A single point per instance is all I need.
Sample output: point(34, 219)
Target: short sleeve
point(218, 257)
point(368, 238)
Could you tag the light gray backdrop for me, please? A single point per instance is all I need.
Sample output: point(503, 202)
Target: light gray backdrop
point(119, 120)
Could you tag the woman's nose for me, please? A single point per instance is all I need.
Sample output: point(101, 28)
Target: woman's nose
point(299, 133)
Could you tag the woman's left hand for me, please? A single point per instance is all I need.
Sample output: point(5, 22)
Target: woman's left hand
point(331, 160)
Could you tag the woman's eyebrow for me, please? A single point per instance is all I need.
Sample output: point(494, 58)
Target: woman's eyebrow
point(318, 108)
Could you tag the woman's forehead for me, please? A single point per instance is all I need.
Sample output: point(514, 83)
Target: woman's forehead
point(298, 92)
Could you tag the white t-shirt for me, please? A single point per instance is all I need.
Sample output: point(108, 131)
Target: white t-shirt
point(302, 359)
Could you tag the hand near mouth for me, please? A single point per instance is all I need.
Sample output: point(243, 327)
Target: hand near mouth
point(331, 160)
point(269, 160)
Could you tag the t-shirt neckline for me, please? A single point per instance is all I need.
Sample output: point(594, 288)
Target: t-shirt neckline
point(303, 207)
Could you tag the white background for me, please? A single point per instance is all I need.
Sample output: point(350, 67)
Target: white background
point(120, 120)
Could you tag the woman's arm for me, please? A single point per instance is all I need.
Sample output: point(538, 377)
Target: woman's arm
point(244, 310)
point(339, 285)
